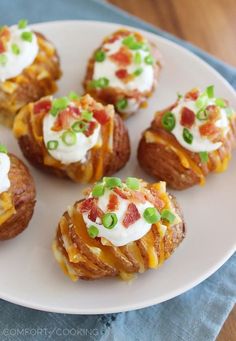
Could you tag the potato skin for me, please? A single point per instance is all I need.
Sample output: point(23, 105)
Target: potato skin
point(28, 86)
point(23, 195)
point(90, 266)
point(163, 163)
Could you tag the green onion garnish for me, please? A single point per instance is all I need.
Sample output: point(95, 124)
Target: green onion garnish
point(69, 138)
point(187, 136)
point(203, 157)
point(103, 82)
point(98, 190)
point(15, 49)
point(137, 58)
point(3, 59)
point(112, 182)
point(149, 60)
point(27, 36)
point(87, 115)
point(151, 215)
point(73, 96)
point(179, 96)
point(132, 183)
point(100, 56)
point(79, 126)
point(220, 102)
point(52, 145)
point(210, 91)
point(201, 101)
point(138, 72)
point(132, 43)
point(3, 149)
point(109, 220)
point(93, 231)
point(22, 23)
point(168, 215)
point(121, 104)
point(202, 115)
point(168, 121)
point(229, 112)
point(58, 105)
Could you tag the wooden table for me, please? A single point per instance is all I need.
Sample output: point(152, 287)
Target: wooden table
point(209, 24)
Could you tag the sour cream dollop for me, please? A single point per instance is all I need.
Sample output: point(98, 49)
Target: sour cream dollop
point(4, 170)
point(15, 63)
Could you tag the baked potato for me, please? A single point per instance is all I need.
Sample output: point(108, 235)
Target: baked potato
point(118, 229)
point(17, 195)
point(123, 71)
point(189, 139)
point(29, 68)
point(73, 137)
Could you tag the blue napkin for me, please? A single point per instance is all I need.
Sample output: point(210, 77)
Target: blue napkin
point(197, 315)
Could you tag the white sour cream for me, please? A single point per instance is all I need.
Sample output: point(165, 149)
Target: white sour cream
point(64, 153)
point(17, 63)
point(120, 235)
point(200, 143)
point(107, 68)
point(5, 165)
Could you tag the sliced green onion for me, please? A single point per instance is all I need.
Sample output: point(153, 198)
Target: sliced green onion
point(98, 190)
point(187, 136)
point(210, 91)
point(3, 59)
point(87, 115)
point(15, 49)
point(73, 96)
point(27, 36)
point(22, 23)
point(112, 182)
point(203, 157)
point(93, 231)
point(151, 215)
point(52, 145)
point(69, 138)
point(202, 115)
point(137, 58)
point(79, 126)
point(179, 96)
point(168, 215)
point(100, 56)
point(168, 121)
point(103, 82)
point(201, 101)
point(229, 112)
point(220, 102)
point(138, 72)
point(132, 43)
point(149, 60)
point(132, 183)
point(58, 105)
point(109, 220)
point(3, 149)
point(121, 104)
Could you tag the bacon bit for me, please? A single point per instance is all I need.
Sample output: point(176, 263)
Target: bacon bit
point(86, 205)
point(101, 116)
point(213, 112)
point(4, 38)
point(121, 194)
point(44, 105)
point(111, 40)
point(2, 47)
point(137, 197)
point(138, 36)
point(123, 57)
point(192, 94)
point(62, 121)
point(154, 199)
point(75, 112)
point(131, 215)
point(209, 129)
point(95, 213)
point(91, 127)
point(121, 73)
point(113, 203)
point(187, 117)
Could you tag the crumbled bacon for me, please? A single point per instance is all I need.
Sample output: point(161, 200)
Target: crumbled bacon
point(101, 116)
point(95, 213)
point(91, 127)
point(113, 203)
point(209, 129)
point(137, 197)
point(62, 121)
point(121, 73)
point(131, 215)
point(86, 205)
point(4, 38)
point(153, 198)
point(187, 117)
point(75, 112)
point(213, 112)
point(192, 94)
point(123, 57)
point(42, 106)
point(121, 194)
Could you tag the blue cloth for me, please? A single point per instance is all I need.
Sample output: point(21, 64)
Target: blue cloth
point(196, 315)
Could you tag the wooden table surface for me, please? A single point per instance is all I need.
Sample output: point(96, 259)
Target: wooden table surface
point(209, 24)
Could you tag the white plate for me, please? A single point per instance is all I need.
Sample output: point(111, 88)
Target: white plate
point(29, 274)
